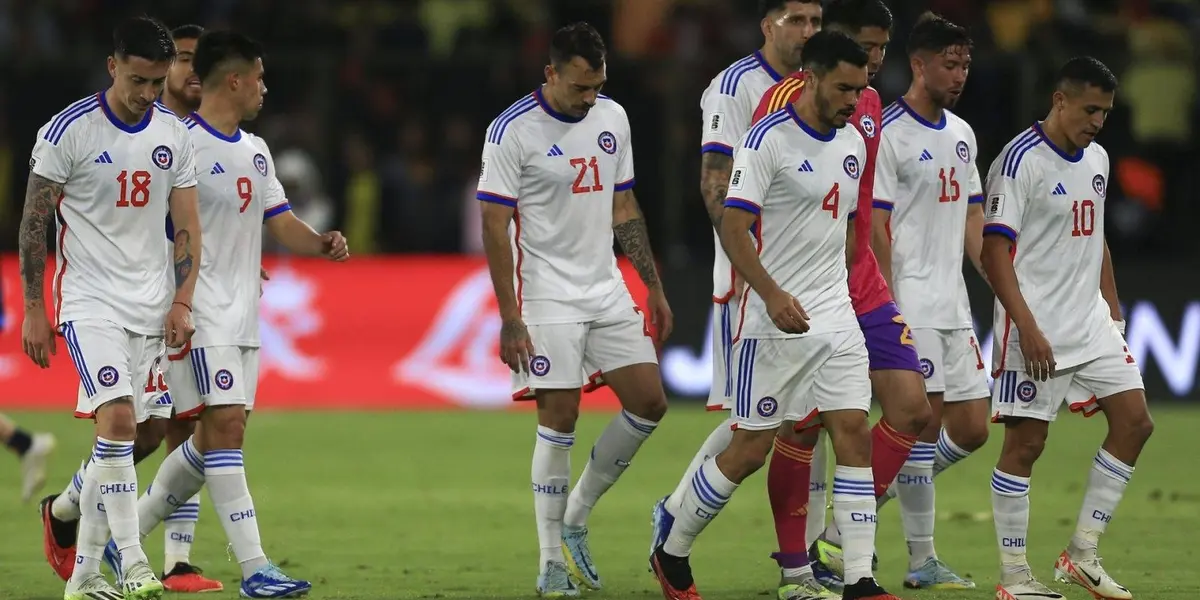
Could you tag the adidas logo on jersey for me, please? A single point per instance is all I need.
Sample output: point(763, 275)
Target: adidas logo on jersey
point(1059, 190)
point(554, 151)
point(217, 169)
point(925, 155)
point(103, 159)
point(805, 168)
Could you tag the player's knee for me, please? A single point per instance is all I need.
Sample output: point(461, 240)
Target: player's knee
point(652, 407)
point(805, 438)
point(1026, 446)
point(225, 427)
point(746, 454)
point(851, 435)
point(117, 420)
point(178, 431)
point(914, 418)
point(150, 435)
point(1138, 429)
point(970, 435)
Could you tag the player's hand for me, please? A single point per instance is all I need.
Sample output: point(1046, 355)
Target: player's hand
point(1039, 356)
point(786, 312)
point(335, 247)
point(262, 276)
point(516, 348)
point(37, 337)
point(661, 316)
point(179, 326)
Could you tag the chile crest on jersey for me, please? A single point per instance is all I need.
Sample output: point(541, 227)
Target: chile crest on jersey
point(868, 125)
point(607, 142)
point(963, 151)
point(162, 157)
point(850, 164)
point(260, 164)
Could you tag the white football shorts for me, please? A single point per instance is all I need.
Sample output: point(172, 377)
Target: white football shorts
point(795, 379)
point(576, 355)
point(114, 363)
point(720, 395)
point(1016, 395)
point(952, 363)
point(213, 376)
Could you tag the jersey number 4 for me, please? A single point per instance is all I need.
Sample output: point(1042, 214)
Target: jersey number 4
point(832, 200)
point(584, 165)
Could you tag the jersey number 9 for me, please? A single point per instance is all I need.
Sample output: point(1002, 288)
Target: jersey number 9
point(245, 191)
point(135, 189)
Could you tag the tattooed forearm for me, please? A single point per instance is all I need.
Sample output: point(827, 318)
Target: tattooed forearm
point(36, 219)
point(635, 242)
point(714, 184)
point(183, 257)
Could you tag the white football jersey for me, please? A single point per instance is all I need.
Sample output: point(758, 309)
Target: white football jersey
point(1052, 205)
point(802, 185)
point(238, 191)
point(560, 173)
point(728, 106)
point(925, 174)
point(111, 260)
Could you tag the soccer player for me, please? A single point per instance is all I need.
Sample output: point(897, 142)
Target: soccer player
point(926, 182)
point(33, 450)
point(107, 170)
point(216, 380)
point(785, 231)
point(727, 105)
point(557, 174)
point(181, 96)
point(1045, 254)
point(895, 371)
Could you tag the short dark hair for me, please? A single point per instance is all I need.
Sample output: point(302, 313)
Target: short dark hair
point(766, 7)
point(934, 33)
point(216, 49)
point(578, 39)
point(826, 48)
point(190, 31)
point(143, 37)
point(853, 15)
point(1085, 71)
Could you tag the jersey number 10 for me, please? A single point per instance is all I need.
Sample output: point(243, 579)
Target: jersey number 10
point(1084, 214)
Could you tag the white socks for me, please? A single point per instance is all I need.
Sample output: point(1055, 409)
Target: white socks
point(818, 487)
point(180, 477)
point(1106, 486)
point(66, 506)
point(225, 478)
point(611, 455)
point(706, 495)
point(179, 531)
point(93, 528)
point(551, 477)
point(1010, 510)
point(914, 486)
point(854, 515)
point(112, 465)
point(947, 453)
point(714, 444)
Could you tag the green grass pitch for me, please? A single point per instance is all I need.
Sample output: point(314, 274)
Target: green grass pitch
point(437, 505)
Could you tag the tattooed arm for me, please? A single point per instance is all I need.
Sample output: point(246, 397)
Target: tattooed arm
point(40, 197)
point(629, 227)
point(715, 168)
point(185, 213)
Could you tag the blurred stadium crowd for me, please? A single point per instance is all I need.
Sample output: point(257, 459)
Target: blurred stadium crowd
point(376, 108)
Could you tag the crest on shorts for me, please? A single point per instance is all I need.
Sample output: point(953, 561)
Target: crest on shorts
point(539, 365)
point(223, 379)
point(1026, 391)
point(850, 164)
point(162, 157)
point(868, 125)
point(963, 151)
point(260, 163)
point(927, 368)
point(1098, 184)
point(607, 142)
point(107, 376)
point(768, 406)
